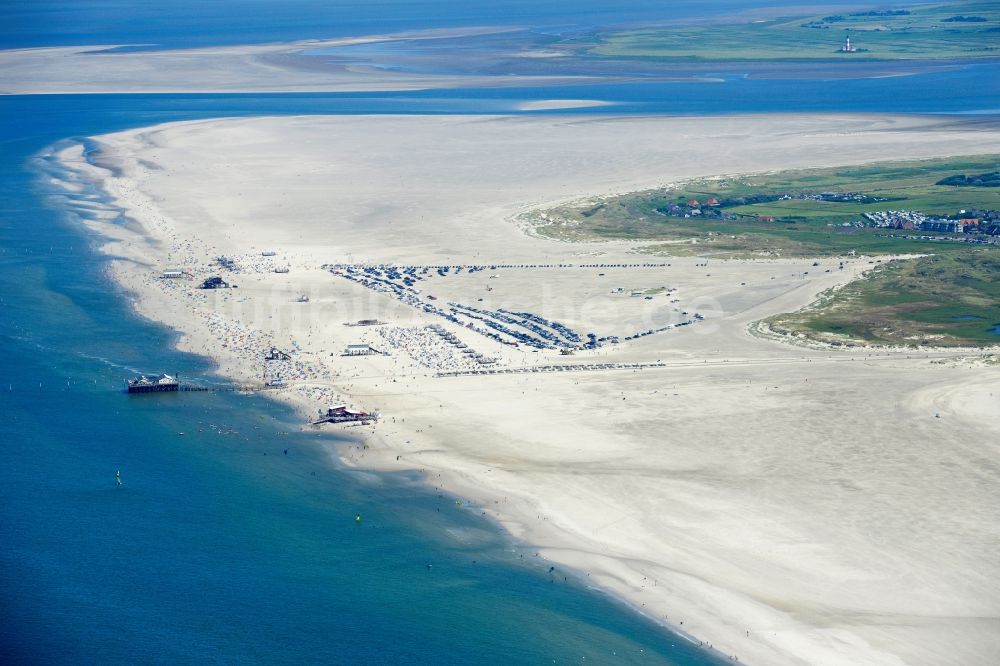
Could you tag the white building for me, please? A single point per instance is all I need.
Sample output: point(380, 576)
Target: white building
point(360, 350)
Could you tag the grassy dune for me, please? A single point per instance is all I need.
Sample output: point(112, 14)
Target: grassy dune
point(950, 298)
point(801, 227)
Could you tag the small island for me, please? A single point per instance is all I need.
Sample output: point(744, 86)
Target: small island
point(953, 31)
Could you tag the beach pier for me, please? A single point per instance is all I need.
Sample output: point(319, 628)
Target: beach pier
point(170, 384)
point(152, 384)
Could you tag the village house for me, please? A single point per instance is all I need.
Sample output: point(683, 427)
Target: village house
point(275, 354)
point(360, 350)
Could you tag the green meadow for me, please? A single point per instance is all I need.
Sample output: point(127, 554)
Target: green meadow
point(941, 31)
point(800, 227)
point(941, 300)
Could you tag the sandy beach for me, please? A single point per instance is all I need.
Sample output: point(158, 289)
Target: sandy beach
point(783, 504)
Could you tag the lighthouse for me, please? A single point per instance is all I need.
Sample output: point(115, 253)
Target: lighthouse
point(847, 48)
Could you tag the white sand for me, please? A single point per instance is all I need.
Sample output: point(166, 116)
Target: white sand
point(787, 505)
point(549, 104)
point(273, 67)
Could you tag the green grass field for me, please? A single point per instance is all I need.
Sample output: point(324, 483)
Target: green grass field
point(802, 227)
point(951, 298)
point(931, 31)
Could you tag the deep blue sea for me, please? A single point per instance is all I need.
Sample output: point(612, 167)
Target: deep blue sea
point(221, 548)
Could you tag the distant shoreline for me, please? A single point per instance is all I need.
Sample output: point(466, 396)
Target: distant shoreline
point(501, 57)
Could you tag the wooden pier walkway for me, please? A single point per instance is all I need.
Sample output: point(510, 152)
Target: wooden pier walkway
point(217, 389)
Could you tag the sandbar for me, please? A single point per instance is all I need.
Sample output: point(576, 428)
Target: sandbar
point(270, 67)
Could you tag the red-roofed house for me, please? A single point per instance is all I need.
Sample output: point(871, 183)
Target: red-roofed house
point(712, 202)
point(693, 203)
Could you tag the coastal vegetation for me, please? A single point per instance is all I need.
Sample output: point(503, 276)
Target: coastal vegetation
point(976, 180)
point(805, 212)
point(949, 295)
point(941, 300)
point(943, 31)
